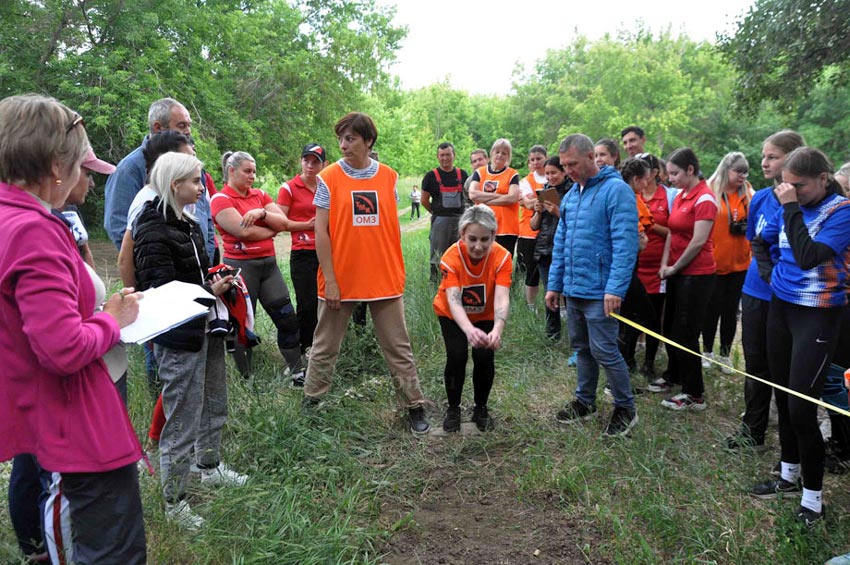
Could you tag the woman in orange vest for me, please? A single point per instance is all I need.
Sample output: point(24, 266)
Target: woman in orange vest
point(358, 241)
point(528, 187)
point(497, 186)
point(472, 306)
point(731, 253)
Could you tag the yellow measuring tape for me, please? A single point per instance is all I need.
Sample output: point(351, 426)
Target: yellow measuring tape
point(786, 390)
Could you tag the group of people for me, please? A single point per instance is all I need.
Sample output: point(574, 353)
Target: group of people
point(678, 253)
point(650, 239)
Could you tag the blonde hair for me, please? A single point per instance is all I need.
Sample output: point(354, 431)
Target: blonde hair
point(36, 132)
point(719, 180)
point(168, 168)
point(232, 159)
point(502, 142)
point(480, 214)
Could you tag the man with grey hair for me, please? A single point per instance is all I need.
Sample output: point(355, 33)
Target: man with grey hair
point(595, 248)
point(129, 176)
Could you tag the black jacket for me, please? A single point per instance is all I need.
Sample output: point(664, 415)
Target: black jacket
point(171, 249)
point(548, 225)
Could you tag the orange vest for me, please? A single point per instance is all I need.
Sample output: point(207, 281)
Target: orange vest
point(645, 221)
point(525, 214)
point(365, 235)
point(507, 217)
point(731, 252)
point(477, 283)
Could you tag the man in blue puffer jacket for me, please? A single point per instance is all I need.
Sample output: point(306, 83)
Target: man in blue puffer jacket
point(596, 245)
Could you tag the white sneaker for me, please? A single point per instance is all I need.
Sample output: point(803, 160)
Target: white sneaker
point(725, 361)
point(706, 364)
point(181, 514)
point(222, 476)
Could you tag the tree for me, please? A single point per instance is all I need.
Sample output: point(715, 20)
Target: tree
point(781, 47)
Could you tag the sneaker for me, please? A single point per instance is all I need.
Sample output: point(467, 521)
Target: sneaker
point(451, 422)
point(572, 359)
point(311, 403)
point(660, 385)
point(181, 514)
point(706, 364)
point(218, 327)
point(574, 412)
point(621, 423)
point(839, 560)
point(777, 470)
point(221, 476)
point(684, 402)
point(482, 418)
point(808, 517)
point(769, 490)
point(418, 424)
point(298, 378)
point(743, 441)
point(726, 361)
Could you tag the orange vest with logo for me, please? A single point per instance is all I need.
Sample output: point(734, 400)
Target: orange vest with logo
point(507, 217)
point(365, 235)
point(477, 283)
point(525, 214)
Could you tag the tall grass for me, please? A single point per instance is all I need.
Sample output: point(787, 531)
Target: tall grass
point(321, 482)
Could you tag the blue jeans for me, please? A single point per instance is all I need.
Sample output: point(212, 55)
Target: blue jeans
point(593, 336)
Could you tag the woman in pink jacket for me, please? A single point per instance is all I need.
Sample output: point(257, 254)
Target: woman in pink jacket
point(56, 396)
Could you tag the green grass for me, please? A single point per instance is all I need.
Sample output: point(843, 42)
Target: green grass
point(337, 486)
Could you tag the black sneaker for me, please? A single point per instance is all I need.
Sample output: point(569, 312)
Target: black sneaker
point(808, 517)
point(310, 403)
point(574, 412)
point(451, 423)
point(622, 421)
point(418, 424)
point(769, 490)
point(298, 378)
point(743, 441)
point(482, 418)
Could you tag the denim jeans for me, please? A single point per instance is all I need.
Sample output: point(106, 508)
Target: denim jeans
point(593, 336)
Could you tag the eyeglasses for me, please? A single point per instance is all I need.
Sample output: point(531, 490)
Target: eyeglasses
point(78, 119)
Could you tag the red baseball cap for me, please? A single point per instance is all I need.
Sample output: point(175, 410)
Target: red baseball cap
point(92, 163)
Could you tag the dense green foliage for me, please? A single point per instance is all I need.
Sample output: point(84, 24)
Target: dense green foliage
point(264, 76)
point(781, 47)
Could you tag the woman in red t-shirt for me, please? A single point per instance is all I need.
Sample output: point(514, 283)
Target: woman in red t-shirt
point(472, 306)
point(731, 253)
point(295, 199)
point(248, 219)
point(688, 266)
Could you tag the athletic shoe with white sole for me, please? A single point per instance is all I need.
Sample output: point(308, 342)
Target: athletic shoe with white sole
point(181, 514)
point(684, 402)
point(222, 476)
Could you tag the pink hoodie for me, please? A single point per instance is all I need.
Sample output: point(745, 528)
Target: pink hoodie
point(57, 401)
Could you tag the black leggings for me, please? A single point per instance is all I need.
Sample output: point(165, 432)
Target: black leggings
point(508, 242)
point(457, 351)
point(636, 307)
point(687, 299)
point(723, 306)
point(526, 261)
point(800, 345)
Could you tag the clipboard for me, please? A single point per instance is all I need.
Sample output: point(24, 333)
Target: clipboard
point(548, 195)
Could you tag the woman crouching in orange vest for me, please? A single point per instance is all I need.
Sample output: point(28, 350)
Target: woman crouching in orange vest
point(472, 305)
